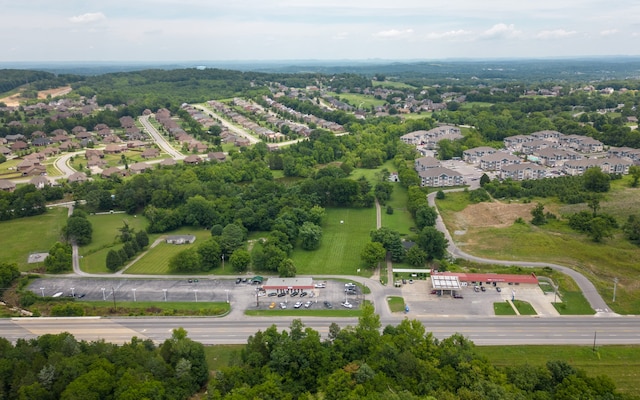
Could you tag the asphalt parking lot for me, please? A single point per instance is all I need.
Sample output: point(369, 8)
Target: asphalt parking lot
point(241, 295)
point(421, 302)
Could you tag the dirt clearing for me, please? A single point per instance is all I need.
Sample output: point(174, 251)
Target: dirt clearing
point(14, 100)
point(492, 215)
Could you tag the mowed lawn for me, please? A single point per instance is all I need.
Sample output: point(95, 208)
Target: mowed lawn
point(105, 237)
point(23, 236)
point(401, 220)
point(156, 260)
point(341, 245)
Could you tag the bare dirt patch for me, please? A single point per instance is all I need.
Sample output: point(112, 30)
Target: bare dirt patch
point(492, 215)
point(15, 99)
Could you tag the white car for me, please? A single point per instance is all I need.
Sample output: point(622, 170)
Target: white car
point(347, 305)
point(320, 285)
point(298, 304)
point(307, 304)
point(283, 305)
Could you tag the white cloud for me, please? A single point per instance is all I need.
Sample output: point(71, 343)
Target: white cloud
point(501, 31)
point(394, 33)
point(88, 17)
point(609, 32)
point(555, 34)
point(340, 36)
point(449, 34)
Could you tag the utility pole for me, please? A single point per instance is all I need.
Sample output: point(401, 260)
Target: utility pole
point(113, 292)
point(615, 284)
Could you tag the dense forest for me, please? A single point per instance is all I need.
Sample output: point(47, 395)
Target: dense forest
point(403, 362)
point(61, 367)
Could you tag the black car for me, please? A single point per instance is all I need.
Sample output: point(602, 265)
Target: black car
point(238, 280)
point(282, 294)
point(294, 294)
point(272, 294)
point(303, 294)
point(327, 304)
point(484, 289)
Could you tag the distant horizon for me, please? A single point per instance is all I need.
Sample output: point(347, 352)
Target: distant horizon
point(181, 31)
point(202, 62)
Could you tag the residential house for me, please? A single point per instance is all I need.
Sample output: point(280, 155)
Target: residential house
point(180, 239)
point(439, 176)
point(615, 165)
point(7, 186)
point(5, 151)
point(192, 159)
point(139, 168)
point(535, 145)
point(40, 181)
point(15, 138)
point(77, 177)
point(89, 153)
point(113, 171)
point(167, 162)
point(19, 146)
point(150, 153)
point(522, 171)
point(217, 155)
point(113, 149)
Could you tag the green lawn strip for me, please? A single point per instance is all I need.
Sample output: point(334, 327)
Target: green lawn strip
point(524, 308)
point(503, 308)
point(396, 303)
point(401, 220)
point(336, 311)
point(156, 260)
point(342, 243)
point(471, 104)
point(140, 308)
point(620, 363)
point(23, 236)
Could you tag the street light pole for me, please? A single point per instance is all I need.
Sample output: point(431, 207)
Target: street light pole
point(73, 293)
point(227, 290)
point(134, 295)
point(195, 291)
point(223, 261)
point(165, 294)
point(42, 290)
point(104, 296)
point(615, 284)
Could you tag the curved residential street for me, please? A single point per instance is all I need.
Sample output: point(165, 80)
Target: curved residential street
point(159, 139)
point(227, 124)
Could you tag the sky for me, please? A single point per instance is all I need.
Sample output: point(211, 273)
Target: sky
point(242, 30)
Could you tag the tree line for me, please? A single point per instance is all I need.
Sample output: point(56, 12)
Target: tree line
point(405, 362)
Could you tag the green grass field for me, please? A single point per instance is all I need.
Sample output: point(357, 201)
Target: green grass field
point(105, 232)
point(341, 245)
point(23, 236)
point(361, 101)
point(401, 220)
point(156, 260)
point(370, 174)
point(620, 363)
point(392, 85)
